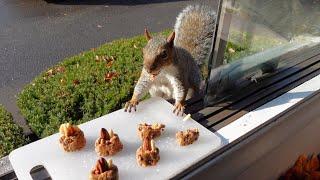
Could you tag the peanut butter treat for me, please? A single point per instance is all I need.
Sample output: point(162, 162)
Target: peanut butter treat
point(108, 143)
point(72, 138)
point(150, 131)
point(148, 153)
point(187, 137)
point(104, 171)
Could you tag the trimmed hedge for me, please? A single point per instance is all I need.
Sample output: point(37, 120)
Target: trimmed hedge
point(83, 87)
point(11, 135)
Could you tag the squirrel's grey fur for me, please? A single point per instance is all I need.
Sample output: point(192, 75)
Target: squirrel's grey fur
point(194, 31)
point(192, 41)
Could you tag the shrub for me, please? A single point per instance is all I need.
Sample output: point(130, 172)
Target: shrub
point(83, 87)
point(11, 135)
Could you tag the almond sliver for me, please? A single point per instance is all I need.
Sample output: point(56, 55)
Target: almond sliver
point(187, 117)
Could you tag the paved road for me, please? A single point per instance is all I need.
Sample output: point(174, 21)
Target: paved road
point(35, 34)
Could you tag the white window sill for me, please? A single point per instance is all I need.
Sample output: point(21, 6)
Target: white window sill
point(257, 117)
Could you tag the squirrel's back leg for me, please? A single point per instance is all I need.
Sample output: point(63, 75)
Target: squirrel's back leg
point(193, 92)
point(195, 86)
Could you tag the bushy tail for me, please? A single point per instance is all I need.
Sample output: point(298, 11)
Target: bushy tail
point(194, 31)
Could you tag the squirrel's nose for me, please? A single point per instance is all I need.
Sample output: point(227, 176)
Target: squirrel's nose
point(150, 67)
point(153, 67)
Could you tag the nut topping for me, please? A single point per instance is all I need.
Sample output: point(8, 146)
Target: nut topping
point(101, 165)
point(185, 138)
point(104, 134)
point(147, 154)
point(71, 137)
point(68, 129)
point(108, 143)
point(104, 170)
point(150, 131)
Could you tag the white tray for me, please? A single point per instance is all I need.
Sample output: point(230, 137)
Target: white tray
point(77, 165)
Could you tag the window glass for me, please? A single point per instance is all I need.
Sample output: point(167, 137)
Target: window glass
point(257, 38)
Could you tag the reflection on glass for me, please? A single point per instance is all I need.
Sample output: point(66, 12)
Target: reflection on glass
point(257, 38)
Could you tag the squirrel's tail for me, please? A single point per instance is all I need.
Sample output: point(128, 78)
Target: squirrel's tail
point(194, 31)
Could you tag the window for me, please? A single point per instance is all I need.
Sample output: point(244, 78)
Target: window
point(258, 40)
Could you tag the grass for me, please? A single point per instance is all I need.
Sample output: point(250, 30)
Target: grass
point(83, 87)
point(11, 135)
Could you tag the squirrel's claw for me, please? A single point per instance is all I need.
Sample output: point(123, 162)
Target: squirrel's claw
point(132, 104)
point(179, 109)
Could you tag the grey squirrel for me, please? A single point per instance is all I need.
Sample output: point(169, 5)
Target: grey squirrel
point(171, 66)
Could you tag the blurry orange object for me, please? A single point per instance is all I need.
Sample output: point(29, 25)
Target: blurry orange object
point(304, 169)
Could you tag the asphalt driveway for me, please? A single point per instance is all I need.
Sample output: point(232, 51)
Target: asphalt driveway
point(36, 34)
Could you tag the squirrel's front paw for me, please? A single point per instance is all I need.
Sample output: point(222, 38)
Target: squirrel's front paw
point(179, 108)
point(132, 104)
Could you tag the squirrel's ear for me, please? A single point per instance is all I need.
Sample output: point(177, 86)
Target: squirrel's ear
point(147, 34)
point(170, 38)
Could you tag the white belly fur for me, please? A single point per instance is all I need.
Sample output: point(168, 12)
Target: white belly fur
point(161, 87)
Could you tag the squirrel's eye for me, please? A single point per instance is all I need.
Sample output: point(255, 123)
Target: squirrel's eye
point(164, 55)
